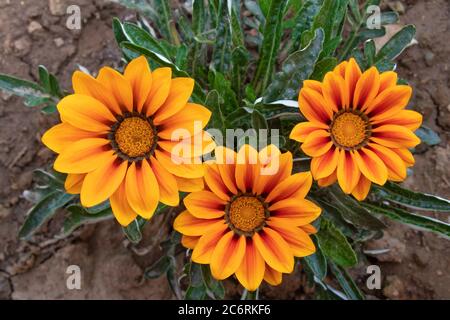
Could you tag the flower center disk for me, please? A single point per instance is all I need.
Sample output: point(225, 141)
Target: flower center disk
point(135, 137)
point(246, 214)
point(349, 130)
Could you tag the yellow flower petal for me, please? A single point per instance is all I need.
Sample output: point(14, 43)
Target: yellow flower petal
point(119, 87)
point(335, 92)
point(314, 107)
point(120, 206)
point(251, 271)
point(192, 119)
point(85, 84)
point(388, 79)
point(301, 131)
point(247, 168)
point(326, 164)
point(272, 276)
point(393, 136)
point(168, 187)
point(189, 185)
point(214, 181)
point(352, 75)
point(142, 189)
point(139, 75)
point(362, 188)
point(86, 113)
point(189, 242)
point(74, 182)
point(328, 181)
point(406, 118)
point(204, 248)
point(317, 143)
point(180, 91)
point(371, 166)
point(347, 171)
point(366, 89)
point(227, 255)
point(101, 183)
point(180, 167)
point(58, 137)
point(395, 165)
point(161, 80)
point(226, 162)
point(205, 205)
point(296, 186)
point(189, 225)
point(274, 249)
point(295, 211)
point(298, 240)
point(389, 102)
point(83, 156)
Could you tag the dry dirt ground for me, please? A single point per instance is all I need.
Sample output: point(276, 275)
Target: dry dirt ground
point(33, 32)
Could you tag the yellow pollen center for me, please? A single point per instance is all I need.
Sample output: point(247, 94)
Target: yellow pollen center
point(247, 213)
point(135, 137)
point(349, 130)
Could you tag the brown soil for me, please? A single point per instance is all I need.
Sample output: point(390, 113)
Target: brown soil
point(34, 32)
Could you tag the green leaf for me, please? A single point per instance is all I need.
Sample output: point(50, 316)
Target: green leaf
point(322, 67)
point(139, 36)
point(34, 94)
point(44, 77)
point(317, 263)
point(396, 44)
point(335, 245)
point(158, 268)
point(118, 31)
point(278, 110)
point(154, 56)
point(223, 87)
point(195, 293)
point(198, 53)
point(195, 275)
point(98, 208)
point(304, 21)
point(369, 52)
point(43, 211)
point(213, 285)
point(222, 49)
point(270, 46)
point(367, 34)
point(330, 19)
point(428, 136)
point(255, 9)
point(49, 109)
point(52, 179)
point(352, 211)
point(165, 19)
point(237, 34)
point(212, 103)
point(422, 222)
point(390, 17)
point(416, 200)
point(240, 58)
point(143, 7)
point(297, 67)
point(330, 212)
point(258, 121)
point(79, 216)
point(346, 282)
point(134, 230)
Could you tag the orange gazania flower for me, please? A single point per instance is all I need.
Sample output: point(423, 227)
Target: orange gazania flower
point(115, 139)
point(249, 222)
point(358, 130)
